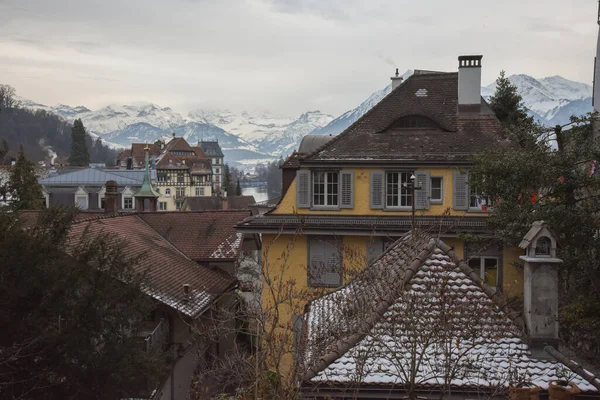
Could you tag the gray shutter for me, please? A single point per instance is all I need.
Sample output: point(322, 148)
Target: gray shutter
point(332, 276)
point(422, 195)
point(460, 190)
point(374, 249)
point(347, 178)
point(303, 189)
point(316, 261)
point(377, 189)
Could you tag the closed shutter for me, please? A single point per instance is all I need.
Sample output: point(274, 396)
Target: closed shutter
point(316, 261)
point(460, 190)
point(374, 249)
point(377, 189)
point(422, 195)
point(333, 273)
point(303, 189)
point(347, 178)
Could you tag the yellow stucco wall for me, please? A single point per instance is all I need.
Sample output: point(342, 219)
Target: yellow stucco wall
point(361, 197)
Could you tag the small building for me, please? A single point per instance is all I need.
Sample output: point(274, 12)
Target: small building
point(419, 321)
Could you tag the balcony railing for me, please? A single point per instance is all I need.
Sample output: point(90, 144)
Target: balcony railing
point(159, 335)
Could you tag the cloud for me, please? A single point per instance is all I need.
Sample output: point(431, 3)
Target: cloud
point(287, 56)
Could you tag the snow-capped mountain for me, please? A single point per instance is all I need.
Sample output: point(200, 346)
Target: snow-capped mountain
point(551, 100)
point(346, 119)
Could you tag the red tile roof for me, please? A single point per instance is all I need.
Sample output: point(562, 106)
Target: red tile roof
point(167, 268)
point(200, 235)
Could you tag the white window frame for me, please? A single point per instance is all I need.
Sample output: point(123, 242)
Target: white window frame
point(199, 191)
point(482, 267)
point(403, 191)
point(127, 193)
point(478, 202)
point(433, 200)
point(82, 194)
point(327, 175)
point(160, 206)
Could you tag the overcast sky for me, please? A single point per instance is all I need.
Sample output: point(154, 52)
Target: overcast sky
point(287, 56)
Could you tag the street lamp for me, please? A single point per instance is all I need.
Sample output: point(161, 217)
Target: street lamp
point(412, 187)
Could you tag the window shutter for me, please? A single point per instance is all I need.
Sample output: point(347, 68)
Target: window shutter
point(422, 195)
point(460, 190)
point(377, 189)
point(303, 189)
point(374, 249)
point(316, 260)
point(332, 276)
point(347, 178)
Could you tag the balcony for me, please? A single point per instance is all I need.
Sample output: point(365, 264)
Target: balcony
point(156, 335)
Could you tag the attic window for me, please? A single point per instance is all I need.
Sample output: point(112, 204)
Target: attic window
point(413, 122)
point(542, 247)
point(183, 153)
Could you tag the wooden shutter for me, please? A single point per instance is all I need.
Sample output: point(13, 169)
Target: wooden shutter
point(347, 178)
point(303, 189)
point(377, 186)
point(460, 190)
point(332, 276)
point(316, 260)
point(422, 195)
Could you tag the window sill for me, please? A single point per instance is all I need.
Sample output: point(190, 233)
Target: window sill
point(324, 208)
point(436, 202)
point(398, 209)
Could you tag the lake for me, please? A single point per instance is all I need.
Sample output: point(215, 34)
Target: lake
point(259, 193)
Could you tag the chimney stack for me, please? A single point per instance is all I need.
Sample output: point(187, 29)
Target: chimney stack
point(540, 287)
point(111, 198)
point(396, 80)
point(469, 83)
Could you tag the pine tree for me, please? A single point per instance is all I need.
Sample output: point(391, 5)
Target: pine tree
point(79, 150)
point(25, 191)
point(227, 183)
point(238, 189)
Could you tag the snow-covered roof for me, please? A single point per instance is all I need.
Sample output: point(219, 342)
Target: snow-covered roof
point(417, 303)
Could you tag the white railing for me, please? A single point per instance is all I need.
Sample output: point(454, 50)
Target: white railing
point(158, 336)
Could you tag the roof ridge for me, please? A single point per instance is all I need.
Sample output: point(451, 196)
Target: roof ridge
point(364, 326)
point(164, 238)
point(104, 216)
point(498, 298)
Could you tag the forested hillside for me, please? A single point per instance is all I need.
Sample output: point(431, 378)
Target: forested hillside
point(43, 135)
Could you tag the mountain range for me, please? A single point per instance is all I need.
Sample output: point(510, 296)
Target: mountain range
point(247, 139)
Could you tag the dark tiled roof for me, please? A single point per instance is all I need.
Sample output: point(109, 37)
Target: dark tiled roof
point(200, 235)
point(453, 135)
point(361, 223)
point(201, 203)
point(418, 293)
point(167, 268)
point(211, 149)
point(293, 160)
point(137, 152)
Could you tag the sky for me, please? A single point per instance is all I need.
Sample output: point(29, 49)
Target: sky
point(285, 56)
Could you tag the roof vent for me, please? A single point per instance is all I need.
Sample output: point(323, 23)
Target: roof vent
point(421, 93)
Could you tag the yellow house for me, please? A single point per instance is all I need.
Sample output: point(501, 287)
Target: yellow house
point(347, 198)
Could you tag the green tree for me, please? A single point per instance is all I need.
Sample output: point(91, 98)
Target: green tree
point(3, 150)
point(228, 184)
point(71, 309)
point(25, 191)
point(552, 179)
point(238, 189)
point(79, 149)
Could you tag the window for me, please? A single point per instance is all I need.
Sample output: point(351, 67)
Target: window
point(217, 171)
point(81, 201)
point(543, 245)
point(179, 192)
point(180, 177)
point(478, 201)
point(167, 192)
point(324, 262)
point(199, 191)
point(487, 267)
point(217, 178)
point(162, 205)
point(325, 188)
point(128, 203)
point(102, 203)
point(178, 205)
point(437, 190)
point(397, 194)
point(162, 177)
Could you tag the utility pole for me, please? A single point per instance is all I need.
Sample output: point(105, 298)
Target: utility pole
point(412, 187)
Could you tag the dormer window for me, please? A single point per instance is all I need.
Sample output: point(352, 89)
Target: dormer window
point(413, 122)
point(543, 246)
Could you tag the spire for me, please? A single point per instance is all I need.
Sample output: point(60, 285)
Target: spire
point(147, 191)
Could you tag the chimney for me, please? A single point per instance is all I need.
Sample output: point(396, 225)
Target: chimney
point(540, 287)
point(111, 198)
point(469, 83)
point(396, 80)
point(186, 292)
